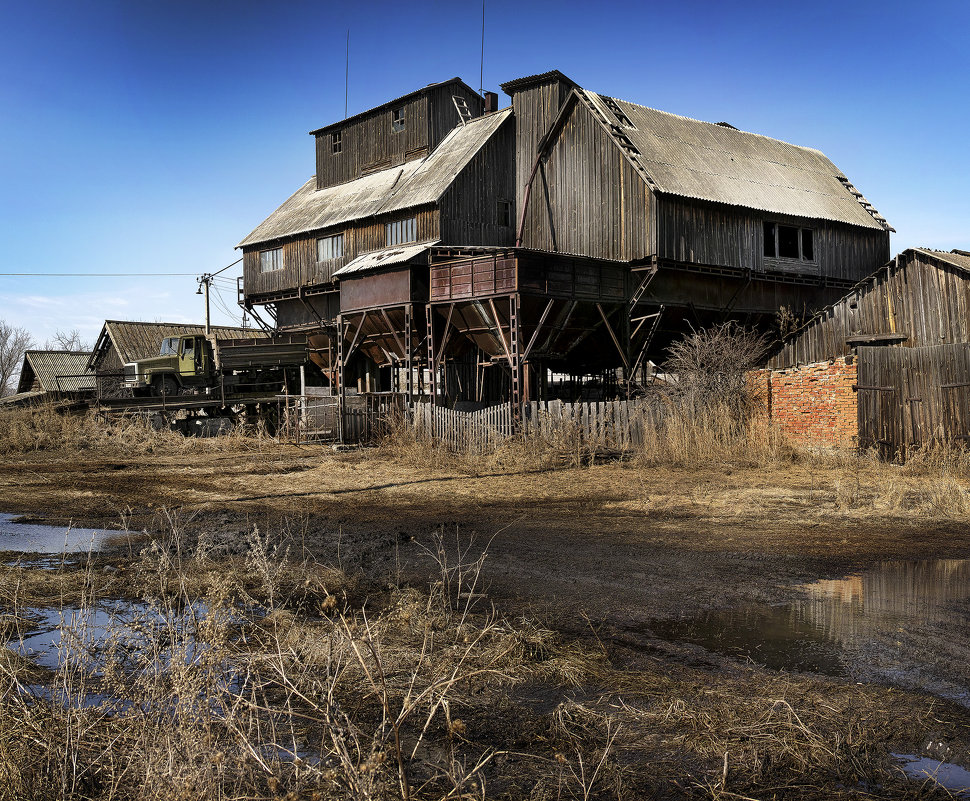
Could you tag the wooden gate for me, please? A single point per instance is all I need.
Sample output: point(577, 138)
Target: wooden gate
point(911, 397)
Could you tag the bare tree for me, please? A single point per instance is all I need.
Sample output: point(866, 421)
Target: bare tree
point(67, 340)
point(711, 366)
point(13, 342)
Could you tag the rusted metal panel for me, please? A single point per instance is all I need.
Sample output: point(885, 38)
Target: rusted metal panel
point(372, 291)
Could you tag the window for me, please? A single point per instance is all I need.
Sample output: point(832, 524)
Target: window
point(270, 260)
point(330, 247)
point(397, 120)
point(335, 141)
point(789, 242)
point(505, 213)
point(169, 346)
point(402, 231)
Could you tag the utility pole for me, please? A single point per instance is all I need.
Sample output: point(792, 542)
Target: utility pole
point(204, 281)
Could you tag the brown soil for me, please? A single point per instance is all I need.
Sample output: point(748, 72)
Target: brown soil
point(596, 552)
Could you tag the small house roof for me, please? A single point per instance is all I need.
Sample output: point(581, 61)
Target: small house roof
point(396, 101)
point(134, 340)
point(56, 371)
point(415, 183)
point(721, 164)
point(384, 258)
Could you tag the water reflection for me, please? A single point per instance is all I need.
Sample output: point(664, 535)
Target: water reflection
point(901, 622)
point(34, 538)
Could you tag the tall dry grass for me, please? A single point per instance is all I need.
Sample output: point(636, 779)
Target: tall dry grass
point(47, 428)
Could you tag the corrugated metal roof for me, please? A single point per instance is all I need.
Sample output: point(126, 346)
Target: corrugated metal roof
point(415, 183)
point(384, 258)
point(959, 260)
point(56, 371)
point(138, 340)
point(706, 161)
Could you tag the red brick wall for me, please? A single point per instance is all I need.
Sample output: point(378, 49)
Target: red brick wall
point(814, 404)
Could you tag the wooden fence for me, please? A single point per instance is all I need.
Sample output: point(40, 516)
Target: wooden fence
point(606, 426)
point(911, 397)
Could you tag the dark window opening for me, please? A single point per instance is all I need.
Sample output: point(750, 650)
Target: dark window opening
point(397, 121)
point(335, 142)
point(808, 244)
point(505, 213)
point(770, 240)
point(787, 242)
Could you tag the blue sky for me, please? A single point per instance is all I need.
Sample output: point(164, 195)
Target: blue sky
point(143, 138)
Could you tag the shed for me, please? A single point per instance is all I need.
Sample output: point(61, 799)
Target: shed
point(56, 371)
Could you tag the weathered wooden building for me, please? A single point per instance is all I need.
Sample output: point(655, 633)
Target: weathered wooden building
point(572, 232)
point(886, 365)
point(52, 375)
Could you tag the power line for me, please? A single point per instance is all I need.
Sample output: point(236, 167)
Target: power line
point(94, 275)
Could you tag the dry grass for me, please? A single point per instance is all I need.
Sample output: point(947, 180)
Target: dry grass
point(273, 677)
point(47, 428)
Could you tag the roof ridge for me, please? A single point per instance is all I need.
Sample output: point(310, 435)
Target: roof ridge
point(715, 125)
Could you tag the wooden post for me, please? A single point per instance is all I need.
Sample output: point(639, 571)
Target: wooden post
point(341, 380)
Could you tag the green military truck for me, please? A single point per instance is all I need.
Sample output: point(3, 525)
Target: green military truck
point(194, 364)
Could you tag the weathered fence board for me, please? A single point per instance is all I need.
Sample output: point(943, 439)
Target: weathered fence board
point(911, 397)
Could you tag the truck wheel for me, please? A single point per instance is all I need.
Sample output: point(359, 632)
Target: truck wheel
point(165, 385)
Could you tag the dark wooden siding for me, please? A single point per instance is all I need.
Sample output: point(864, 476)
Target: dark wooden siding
point(587, 199)
point(470, 212)
point(368, 144)
point(911, 397)
point(442, 113)
point(300, 266)
point(711, 234)
point(927, 300)
point(535, 109)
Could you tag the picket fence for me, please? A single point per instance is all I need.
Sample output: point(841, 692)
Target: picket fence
point(603, 426)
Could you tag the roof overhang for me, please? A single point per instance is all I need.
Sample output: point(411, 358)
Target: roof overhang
point(387, 257)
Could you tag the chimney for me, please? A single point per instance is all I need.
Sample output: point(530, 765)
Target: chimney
point(491, 102)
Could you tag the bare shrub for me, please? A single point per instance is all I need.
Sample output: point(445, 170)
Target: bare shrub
point(710, 369)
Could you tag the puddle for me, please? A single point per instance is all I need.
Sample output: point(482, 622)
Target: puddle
point(45, 539)
point(905, 623)
point(948, 776)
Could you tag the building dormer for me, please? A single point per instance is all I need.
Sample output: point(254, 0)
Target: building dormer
point(393, 133)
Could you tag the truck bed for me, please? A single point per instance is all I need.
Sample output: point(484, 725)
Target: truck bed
point(281, 350)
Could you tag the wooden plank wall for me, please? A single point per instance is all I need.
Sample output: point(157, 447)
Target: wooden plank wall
point(368, 144)
point(708, 233)
point(587, 199)
point(470, 207)
point(442, 114)
point(535, 108)
point(913, 397)
point(915, 295)
point(300, 265)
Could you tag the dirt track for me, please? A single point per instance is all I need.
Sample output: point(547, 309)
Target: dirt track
point(617, 542)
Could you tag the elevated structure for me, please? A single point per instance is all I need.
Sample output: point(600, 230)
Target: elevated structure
point(449, 249)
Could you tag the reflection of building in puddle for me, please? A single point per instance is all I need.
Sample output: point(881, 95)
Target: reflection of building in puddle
point(891, 596)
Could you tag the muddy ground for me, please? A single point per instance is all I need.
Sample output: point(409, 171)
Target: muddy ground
point(599, 553)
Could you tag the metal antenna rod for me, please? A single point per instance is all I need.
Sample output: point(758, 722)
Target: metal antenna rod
point(481, 75)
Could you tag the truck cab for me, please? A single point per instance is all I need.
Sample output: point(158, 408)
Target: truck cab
point(182, 363)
